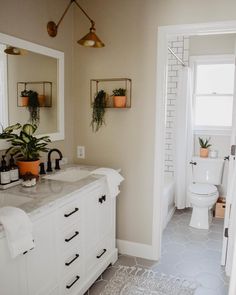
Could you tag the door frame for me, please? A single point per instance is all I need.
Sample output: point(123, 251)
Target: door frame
point(164, 32)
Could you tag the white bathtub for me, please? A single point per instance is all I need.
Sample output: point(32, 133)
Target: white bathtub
point(168, 200)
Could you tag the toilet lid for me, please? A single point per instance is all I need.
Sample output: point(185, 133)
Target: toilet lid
point(202, 188)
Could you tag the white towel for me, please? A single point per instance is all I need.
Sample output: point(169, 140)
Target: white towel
point(113, 179)
point(18, 229)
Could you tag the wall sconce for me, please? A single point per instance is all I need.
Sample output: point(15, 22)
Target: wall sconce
point(89, 40)
point(15, 51)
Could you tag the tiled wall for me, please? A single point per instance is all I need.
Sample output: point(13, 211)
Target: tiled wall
point(180, 45)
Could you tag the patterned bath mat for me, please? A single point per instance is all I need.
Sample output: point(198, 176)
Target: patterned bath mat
point(139, 281)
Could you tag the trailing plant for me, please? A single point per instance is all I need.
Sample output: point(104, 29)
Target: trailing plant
point(204, 143)
point(99, 105)
point(119, 92)
point(25, 145)
point(33, 107)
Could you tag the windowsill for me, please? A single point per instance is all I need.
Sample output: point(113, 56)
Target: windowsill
point(220, 132)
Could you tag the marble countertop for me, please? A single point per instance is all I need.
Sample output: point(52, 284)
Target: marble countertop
point(46, 193)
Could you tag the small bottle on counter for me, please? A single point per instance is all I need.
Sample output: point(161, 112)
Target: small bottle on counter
point(14, 171)
point(4, 172)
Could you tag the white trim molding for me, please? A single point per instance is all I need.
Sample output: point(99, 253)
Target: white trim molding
point(134, 249)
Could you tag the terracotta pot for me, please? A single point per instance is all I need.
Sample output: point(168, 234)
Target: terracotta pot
point(42, 100)
point(203, 153)
point(24, 101)
point(28, 166)
point(119, 101)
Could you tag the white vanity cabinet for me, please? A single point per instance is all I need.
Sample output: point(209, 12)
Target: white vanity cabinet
point(75, 242)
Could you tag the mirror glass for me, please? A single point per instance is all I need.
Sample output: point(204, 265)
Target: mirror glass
point(26, 70)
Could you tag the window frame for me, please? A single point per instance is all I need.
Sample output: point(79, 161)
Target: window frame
point(207, 60)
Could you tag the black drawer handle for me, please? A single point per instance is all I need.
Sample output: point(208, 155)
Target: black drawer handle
point(68, 263)
point(193, 163)
point(103, 252)
point(68, 240)
point(102, 199)
point(69, 214)
point(76, 279)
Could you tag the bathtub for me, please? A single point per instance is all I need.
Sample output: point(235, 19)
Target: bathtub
point(168, 200)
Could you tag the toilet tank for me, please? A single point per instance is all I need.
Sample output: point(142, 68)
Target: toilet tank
point(208, 170)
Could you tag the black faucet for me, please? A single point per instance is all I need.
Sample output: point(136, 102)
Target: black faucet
point(49, 164)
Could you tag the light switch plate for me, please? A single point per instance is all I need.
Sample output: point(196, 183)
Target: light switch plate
point(80, 152)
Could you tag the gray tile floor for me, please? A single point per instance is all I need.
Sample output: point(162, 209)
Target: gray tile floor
point(186, 252)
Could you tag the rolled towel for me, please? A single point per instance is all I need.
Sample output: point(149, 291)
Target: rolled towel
point(113, 179)
point(18, 228)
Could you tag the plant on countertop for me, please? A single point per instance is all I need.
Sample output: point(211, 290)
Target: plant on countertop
point(119, 92)
point(204, 144)
point(99, 105)
point(25, 145)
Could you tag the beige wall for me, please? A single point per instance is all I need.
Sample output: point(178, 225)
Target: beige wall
point(27, 19)
point(129, 29)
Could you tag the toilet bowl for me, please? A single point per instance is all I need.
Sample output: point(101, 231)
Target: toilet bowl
point(202, 197)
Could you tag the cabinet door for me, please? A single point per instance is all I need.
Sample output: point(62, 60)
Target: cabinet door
point(99, 222)
point(12, 272)
point(41, 261)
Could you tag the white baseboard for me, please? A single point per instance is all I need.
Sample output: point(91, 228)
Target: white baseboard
point(135, 249)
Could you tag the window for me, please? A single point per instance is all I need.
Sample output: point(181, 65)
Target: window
point(213, 94)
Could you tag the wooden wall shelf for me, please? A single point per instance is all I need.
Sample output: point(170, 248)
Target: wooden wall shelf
point(108, 85)
point(43, 88)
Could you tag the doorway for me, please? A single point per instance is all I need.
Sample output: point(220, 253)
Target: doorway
point(164, 34)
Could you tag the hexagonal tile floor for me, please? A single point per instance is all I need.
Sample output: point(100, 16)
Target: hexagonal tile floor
point(186, 252)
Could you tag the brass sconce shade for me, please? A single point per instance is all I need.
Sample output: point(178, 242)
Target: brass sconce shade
point(12, 50)
point(89, 40)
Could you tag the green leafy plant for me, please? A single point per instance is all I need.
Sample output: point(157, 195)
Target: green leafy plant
point(119, 92)
point(99, 105)
point(204, 143)
point(24, 144)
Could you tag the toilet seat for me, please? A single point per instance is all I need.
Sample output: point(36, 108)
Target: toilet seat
point(203, 189)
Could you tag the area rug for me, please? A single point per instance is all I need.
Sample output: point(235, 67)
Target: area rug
point(139, 281)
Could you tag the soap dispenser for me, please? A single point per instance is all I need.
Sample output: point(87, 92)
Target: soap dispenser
point(4, 172)
point(14, 171)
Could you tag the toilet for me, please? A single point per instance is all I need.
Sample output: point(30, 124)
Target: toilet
point(203, 193)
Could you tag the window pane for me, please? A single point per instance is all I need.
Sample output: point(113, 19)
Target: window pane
point(214, 111)
point(215, 78)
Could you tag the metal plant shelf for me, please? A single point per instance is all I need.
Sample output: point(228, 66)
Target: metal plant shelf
point(98, 84)
point(41, 87)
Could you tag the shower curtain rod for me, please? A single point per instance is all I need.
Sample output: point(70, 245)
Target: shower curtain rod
point(176, 56)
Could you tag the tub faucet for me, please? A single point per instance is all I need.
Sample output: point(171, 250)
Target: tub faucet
point(49, 163)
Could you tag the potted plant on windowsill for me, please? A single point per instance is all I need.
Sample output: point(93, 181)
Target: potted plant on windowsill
point(119, 98)
point(204, 145)
point(99, 105)
point(25, 146)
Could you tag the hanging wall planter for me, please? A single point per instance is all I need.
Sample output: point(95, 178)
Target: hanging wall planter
point(99, 105)
point(119, 98)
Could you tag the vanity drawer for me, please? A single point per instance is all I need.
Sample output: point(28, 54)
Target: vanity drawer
point(98, 255)
point(69, 214)
point(71, 238)
point(73, 259)
point(72, 282)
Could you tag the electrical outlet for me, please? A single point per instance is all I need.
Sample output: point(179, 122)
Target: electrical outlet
point(80, 152)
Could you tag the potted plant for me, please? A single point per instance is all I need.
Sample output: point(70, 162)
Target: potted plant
point(25, 146)
point(204, 145)
point(24, 98)
point(99, 106)
point(119, 98)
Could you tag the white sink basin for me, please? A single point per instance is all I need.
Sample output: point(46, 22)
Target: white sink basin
point(11, 200)
point(70, 175)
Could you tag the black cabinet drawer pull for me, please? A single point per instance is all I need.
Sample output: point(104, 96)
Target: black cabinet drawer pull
point(103, 252)
point(102, 199)
point(68, 240)
point(68, 263)
point(76, 279)
point(69, 214)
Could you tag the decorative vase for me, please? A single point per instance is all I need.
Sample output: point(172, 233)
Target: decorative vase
point(24, 101)
point(42, 100)
point(28, 167)
point(119, 101)
point(203, 152)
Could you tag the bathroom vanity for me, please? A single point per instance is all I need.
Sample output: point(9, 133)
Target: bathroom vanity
point(74, 232)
